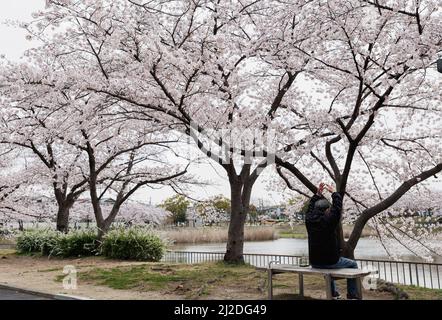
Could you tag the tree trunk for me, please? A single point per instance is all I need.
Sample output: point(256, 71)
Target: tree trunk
point(63, 217)
point(102, 230)
point(240, 203)
point(341, 238)
point(348, 251)
point(105, 224)
point(65, 202)
point(355, 235)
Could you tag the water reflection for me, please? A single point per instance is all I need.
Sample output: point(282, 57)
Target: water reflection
point(367, 249)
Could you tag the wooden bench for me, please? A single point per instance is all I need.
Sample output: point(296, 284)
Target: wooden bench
point(328, 274)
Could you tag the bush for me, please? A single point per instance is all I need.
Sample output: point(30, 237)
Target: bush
point(133, 244)
point(76, 243)
point(6, 234)
point(53, 243)
point(127, 244)
point(37, 241)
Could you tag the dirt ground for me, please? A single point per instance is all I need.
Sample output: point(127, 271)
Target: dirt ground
point(41, 274)
point(45, 275)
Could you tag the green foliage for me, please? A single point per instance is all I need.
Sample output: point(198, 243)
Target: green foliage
point(305, 207)
point(178, 206)
point(76, 243)
point(220, 203)
point(296, 200)
point(5, 233)
point(53, 243)
point(253, 212)
point(41, 241)
point(129, 243)
point(215, 210)
point(133, 244)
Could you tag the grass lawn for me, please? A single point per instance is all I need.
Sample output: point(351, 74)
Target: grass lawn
point(417, 293)
point(300, 231)
point(6, 242)
point(220, 280)
point(296, 232)
point(6, 252)
point(113, 279)
point(190, 281)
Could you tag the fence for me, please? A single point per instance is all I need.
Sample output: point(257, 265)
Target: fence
point(420, 274)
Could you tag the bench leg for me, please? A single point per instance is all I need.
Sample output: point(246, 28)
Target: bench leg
point(359, 287)
point(270, 281)
point(328, 287)
point(301, 284)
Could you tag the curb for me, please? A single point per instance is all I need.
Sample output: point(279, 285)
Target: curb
point(43, 294)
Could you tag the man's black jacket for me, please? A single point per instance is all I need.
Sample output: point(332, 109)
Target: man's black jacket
point(323, 244)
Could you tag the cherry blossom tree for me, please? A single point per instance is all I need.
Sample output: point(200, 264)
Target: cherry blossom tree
point(80, 139)
point(377, 133)
point(237, 79)
point(31, 119)
point(213, 211)
point(123, 156)
point(187, 64)
point(131, 212)
point(19, 185)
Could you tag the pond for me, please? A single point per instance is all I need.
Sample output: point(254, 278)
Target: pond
point(367, 249)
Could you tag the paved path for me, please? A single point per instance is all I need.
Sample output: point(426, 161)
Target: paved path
point(6, 294)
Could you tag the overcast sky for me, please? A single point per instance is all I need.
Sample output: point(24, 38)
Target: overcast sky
point(13, 41)
point(13, 44)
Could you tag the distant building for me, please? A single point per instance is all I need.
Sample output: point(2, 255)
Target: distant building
point(193, 220)
point(273, 212)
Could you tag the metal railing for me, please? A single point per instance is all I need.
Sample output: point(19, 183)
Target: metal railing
point(420, 274)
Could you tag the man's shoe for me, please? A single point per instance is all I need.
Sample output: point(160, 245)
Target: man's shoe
point(337, 296)
point(353, 297)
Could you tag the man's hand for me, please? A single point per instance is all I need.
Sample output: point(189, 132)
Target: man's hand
point(321, 187)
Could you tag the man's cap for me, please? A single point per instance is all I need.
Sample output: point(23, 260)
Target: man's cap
point(322, 204)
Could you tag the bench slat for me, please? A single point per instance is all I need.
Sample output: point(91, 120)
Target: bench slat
point(328, 274)
point(342, 273)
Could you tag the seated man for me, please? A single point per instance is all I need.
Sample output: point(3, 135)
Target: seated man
point(322, 221)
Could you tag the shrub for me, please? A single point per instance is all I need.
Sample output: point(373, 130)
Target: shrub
point(127, 244)
point(7, 236)
point(5, 233)
point(37, 241)
point(133, 244)
point(76, 243)
point(53, 243)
